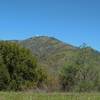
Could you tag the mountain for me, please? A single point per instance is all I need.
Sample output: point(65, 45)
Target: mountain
point(72, 62)
point(50, 52)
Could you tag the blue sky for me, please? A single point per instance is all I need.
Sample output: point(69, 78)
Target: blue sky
point(72, 21)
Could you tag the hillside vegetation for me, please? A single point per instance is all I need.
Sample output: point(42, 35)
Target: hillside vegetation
point(50, 52)
point(18, 68)
point(47, 64)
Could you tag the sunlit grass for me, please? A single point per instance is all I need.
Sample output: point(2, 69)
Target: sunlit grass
point(48, 96)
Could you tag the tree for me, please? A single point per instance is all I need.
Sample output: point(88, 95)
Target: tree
point(4, 75)
point(68, 77)
point(19, 67)
point(82, 73)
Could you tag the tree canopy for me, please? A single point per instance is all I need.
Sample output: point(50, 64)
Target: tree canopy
point(18, 68)
point(82, 73)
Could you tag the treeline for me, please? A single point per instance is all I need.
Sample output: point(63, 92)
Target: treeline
point(19, 70)
point(82, 73)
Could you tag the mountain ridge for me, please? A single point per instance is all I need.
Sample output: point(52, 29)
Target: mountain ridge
point(50, 52)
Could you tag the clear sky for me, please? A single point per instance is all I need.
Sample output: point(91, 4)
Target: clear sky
point(72, 21)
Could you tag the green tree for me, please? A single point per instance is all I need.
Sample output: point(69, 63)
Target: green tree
point(68, 77)
point(19, 67)
point(4, 75)
point(82, 73)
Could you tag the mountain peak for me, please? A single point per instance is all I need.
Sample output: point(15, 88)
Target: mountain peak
point(50, 51)
point(43, 37)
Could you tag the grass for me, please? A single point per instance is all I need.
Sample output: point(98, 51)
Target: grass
point(48, 96)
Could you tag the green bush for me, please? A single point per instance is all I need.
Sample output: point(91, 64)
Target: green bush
point(18, 66)
point(82, 73)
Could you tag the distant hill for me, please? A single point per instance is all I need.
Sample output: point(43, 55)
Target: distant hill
point(64, 63)
point(51, 52)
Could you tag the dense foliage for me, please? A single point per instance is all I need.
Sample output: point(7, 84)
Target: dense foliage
point(18, 68)
point(52, 54)
point(40, 67)
point(82, 73)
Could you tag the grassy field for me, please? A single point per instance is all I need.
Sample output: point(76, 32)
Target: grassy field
point(49, 96)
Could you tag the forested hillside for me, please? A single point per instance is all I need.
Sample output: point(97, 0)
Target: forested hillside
point(48, 64)
point(50, 52)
